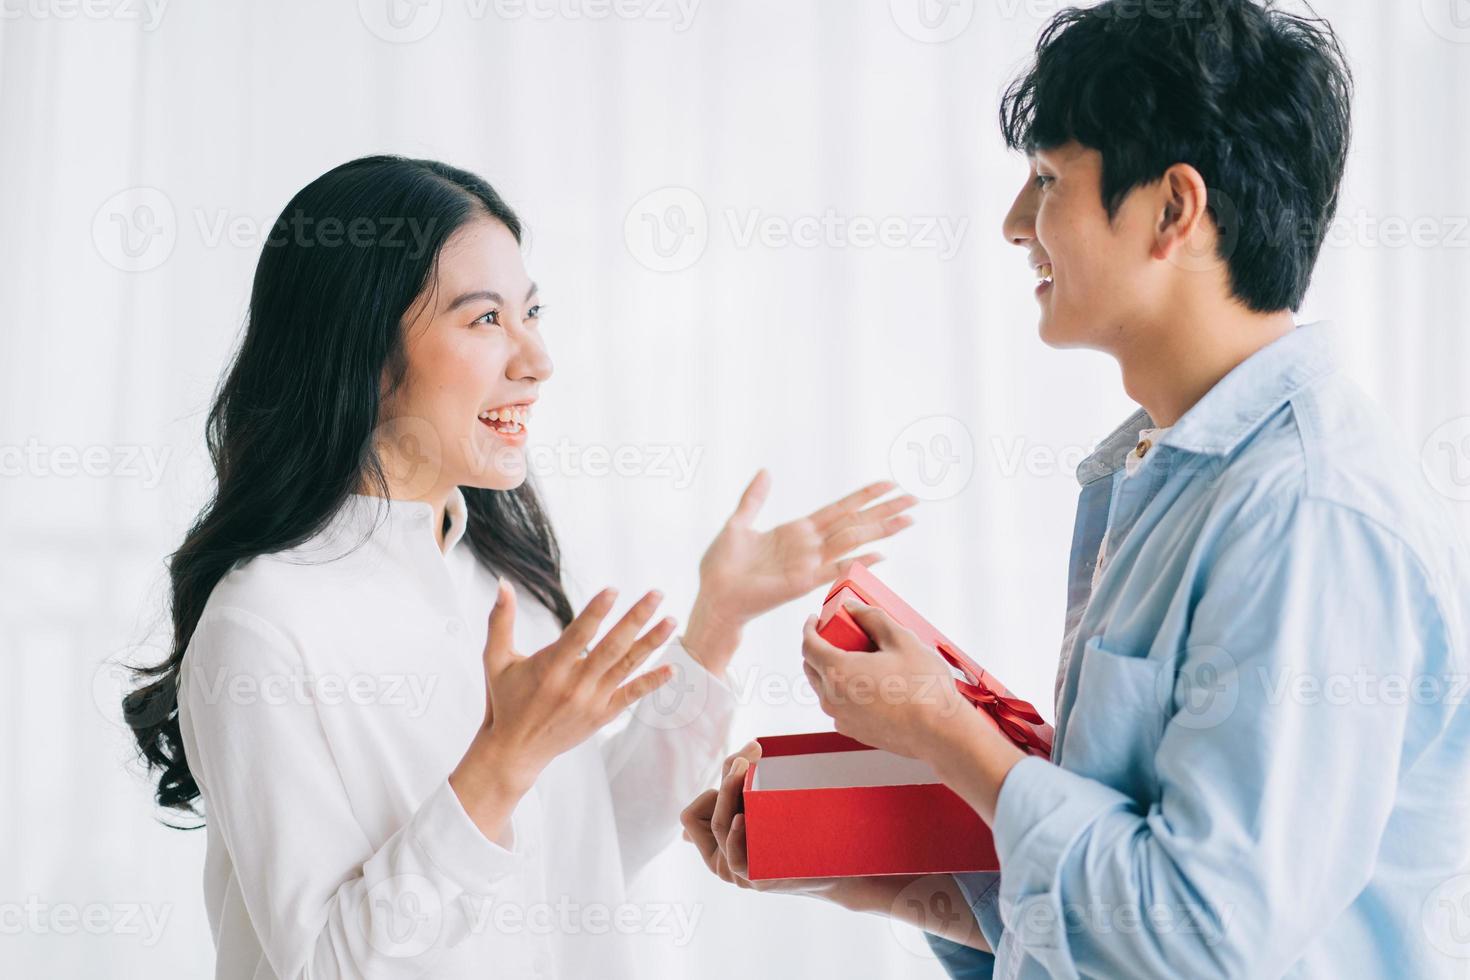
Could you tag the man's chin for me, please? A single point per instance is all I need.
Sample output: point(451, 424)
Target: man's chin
point(1054, 334)
point(1057, 333)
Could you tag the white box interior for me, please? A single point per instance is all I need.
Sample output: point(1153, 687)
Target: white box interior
point(834, 770)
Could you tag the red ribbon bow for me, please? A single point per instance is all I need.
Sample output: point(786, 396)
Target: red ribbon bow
point(1013, 716)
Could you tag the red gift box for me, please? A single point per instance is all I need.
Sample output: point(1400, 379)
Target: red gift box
point(825, 805)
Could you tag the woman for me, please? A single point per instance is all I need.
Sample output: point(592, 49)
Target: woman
point(381, 779)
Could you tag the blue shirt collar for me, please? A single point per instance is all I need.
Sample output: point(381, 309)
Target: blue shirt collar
point(1107, 458)
point(1236, 406)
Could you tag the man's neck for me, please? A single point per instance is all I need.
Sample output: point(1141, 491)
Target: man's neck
point(1169, 367)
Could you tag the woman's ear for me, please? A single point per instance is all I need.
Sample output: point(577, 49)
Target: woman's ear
point(1183, 234)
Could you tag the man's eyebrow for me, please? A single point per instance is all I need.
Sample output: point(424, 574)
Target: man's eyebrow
point(488, 294)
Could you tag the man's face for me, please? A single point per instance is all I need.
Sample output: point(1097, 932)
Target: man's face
point(1100, 271)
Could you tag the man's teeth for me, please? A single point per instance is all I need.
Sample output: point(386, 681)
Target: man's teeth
point(1043, 272)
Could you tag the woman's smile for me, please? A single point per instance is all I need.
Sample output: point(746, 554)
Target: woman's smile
point(508, 421)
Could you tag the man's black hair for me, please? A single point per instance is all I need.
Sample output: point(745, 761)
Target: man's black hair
point(1253, 97)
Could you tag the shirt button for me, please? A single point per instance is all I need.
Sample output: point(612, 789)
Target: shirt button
point(454, 627)
point(1143, 448)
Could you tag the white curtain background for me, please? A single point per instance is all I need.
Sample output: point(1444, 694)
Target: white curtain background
point(144, 150)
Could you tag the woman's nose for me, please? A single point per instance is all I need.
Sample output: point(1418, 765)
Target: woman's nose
point(531, 360)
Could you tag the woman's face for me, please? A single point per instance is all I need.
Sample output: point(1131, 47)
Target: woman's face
point(475, 362)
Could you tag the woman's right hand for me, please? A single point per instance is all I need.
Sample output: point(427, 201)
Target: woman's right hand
point(538, 707)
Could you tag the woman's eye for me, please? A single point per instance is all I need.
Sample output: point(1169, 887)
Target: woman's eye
point(492, 318)
point(535, 312)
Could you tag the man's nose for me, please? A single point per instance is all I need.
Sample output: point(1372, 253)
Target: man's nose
point(1019, 226)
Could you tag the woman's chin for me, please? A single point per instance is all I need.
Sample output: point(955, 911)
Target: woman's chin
point(494, 462)
point(504, 469)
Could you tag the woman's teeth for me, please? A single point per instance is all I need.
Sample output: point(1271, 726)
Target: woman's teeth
point(1043, 273)
point(510, 419)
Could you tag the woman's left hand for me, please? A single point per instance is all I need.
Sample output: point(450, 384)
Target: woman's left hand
point(747, 572)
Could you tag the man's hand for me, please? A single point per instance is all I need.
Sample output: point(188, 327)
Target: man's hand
point(900, 697)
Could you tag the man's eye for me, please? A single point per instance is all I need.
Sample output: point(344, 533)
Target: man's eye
point(1042, 180)
point(492, 318)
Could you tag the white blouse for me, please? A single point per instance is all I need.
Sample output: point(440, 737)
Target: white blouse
point(325, 697)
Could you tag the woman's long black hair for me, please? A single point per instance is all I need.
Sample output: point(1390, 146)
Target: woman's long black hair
point(290, 433)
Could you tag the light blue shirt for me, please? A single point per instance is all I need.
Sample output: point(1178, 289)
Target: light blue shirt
point(1262, 759)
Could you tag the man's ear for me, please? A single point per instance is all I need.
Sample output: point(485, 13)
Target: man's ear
point(1184, 234)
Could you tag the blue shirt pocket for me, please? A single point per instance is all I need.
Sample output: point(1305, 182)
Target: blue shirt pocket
point(1117, 719)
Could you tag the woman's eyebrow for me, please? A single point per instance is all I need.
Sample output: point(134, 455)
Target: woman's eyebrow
point(489, 294)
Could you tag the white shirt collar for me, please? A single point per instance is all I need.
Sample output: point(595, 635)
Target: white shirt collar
point(459, 518)
point(364, 515)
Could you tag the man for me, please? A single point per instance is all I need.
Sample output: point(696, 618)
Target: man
point(1262, 758)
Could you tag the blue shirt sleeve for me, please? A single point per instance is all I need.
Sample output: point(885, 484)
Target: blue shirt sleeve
point(961, 962)
point(982, 893)
point(1268, 813)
